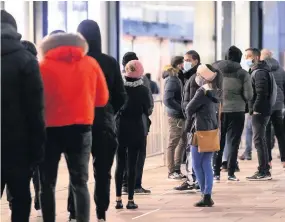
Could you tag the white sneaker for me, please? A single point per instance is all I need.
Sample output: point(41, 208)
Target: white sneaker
point(39, 213)
point(101, 220)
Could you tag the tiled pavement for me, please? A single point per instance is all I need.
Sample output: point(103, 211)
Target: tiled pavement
point(236, 201)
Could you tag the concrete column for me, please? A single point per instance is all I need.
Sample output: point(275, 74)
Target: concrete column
point(204, 30)
point(241, 25)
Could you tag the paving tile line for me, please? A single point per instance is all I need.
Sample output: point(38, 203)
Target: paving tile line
point(145, 214)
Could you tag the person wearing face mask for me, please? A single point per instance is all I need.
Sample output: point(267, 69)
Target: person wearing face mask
point(191, 63)
point(172, 100)
point(260, 107)
point(237, 91)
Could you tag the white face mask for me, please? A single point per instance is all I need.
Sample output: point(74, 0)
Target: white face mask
point(187, 65)
point(199, 80)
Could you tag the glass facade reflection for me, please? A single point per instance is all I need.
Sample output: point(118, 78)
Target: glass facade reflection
point(66, 15)
point(156, 31)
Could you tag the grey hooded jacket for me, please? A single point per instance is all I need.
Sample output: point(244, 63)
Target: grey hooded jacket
point(237, 87)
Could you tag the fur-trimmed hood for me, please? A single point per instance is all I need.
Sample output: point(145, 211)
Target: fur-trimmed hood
point(64, 46)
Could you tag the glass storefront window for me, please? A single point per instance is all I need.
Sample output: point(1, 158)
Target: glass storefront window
point(57, 13)
point(18, 13)
point(66, 15)
point(77, 11)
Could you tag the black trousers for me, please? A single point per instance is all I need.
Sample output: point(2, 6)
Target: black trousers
point(18, 180)
point(128, 155)
point(139, 170)
point(36, 183)
point(259, 124)
point(104, 146)
point(231, 130)
point(75, 142)
point(276, 120)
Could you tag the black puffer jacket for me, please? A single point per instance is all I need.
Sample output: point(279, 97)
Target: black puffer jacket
point(279, 75)
point(104, 118)
point(205, 106)
point(22, 127)
point(173, 94)
point(190, 87)
point(131, 125)
point(260, 102)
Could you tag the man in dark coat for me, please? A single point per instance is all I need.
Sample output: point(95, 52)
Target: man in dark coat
point(23, 128)
point(276, 115)
point(104, 144)
point(260, 108)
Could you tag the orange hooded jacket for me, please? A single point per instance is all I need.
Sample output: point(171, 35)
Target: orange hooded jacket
point(74, 83)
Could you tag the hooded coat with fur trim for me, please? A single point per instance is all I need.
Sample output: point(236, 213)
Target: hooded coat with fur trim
point(22, 119)
point(73, 83)
point(173, 93)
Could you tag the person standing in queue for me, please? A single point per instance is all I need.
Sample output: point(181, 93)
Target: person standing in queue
point(237, 91)
point(276, 115)
point(139, 189)
point(36, 177)
point(104, 136)
point(205, 106)
point(131, 130)
point(191, 57)
point(260, 107)
point(22, 116)
point(74, 85)
point(172, 100)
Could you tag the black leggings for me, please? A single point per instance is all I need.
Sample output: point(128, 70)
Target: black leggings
point(36, 182)
point(127, 155)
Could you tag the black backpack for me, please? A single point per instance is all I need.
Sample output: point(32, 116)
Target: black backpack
point(273, 86)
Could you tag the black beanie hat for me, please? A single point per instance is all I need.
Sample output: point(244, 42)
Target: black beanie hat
point(129, 56)
point(234, 54)
point(8, 19)
point(56, 32)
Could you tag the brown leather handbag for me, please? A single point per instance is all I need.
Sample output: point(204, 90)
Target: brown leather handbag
point(208, 141)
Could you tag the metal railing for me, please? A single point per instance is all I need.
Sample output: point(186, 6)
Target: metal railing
point(158, 136)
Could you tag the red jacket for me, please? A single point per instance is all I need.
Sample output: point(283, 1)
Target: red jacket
point(73, 83)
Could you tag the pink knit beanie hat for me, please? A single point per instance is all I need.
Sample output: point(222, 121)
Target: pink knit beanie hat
point(206, 73)
point(134, 69)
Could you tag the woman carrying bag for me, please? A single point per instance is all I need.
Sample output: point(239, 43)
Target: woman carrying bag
point(204, 137)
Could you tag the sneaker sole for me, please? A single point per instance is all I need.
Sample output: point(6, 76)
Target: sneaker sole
point(261, 179)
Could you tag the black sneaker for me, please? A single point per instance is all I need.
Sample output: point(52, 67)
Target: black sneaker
point(174, 176)
point(224, 167)
point(197, 187)
point(232, 178)
point(260, 177)
point(185, 186)
point(124, 191)
point(131, 205)
point(142, 191)
point(181, 174)
point(119, 205)
point(217, 178)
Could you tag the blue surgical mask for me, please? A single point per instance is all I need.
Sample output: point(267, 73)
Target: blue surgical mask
point(187, 65)
point(249, 63)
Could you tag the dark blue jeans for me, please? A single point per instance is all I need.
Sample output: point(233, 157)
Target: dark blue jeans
point(75, 143)
point(202, 164)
